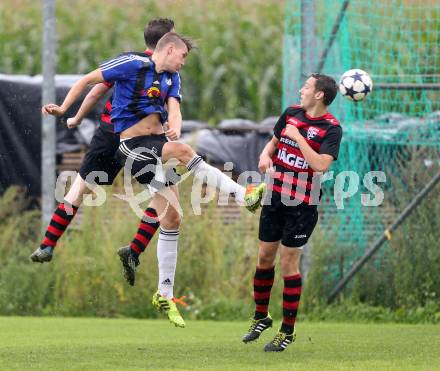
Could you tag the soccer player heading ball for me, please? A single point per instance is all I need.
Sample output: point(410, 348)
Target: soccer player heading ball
point(143, 86)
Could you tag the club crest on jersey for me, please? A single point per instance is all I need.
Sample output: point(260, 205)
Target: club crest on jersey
point(312, 132)
point(153, 92)
point(169, 82)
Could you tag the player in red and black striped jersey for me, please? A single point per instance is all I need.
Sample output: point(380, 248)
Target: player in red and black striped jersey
point(293, 176)
point(305, 142)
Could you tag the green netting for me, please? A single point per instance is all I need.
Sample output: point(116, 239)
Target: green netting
point(394, 130)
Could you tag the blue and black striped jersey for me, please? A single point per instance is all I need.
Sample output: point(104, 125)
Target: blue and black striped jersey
point(138, 89)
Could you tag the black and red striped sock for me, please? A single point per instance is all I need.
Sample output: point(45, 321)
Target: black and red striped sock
point(263, 282)
point(291, 297)
point(59, 222)
point(146, 230)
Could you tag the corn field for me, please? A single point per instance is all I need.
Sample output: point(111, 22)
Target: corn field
point(235, 72)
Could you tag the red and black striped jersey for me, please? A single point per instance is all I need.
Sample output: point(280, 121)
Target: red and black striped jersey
point(105, 122)
point(293, 176)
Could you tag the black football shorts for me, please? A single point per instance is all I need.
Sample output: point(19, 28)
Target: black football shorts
point(140, 155)
point(100, 164)
point(292, 225)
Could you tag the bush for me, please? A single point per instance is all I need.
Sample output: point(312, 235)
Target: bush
point(215, 268)
point(215, 265)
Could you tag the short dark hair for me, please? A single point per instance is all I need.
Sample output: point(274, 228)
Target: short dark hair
point(155, 29)
point(173, 37)
point(327, 85)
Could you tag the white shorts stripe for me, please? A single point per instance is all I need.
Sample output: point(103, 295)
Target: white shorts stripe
point(136, 156)
point(130, 155)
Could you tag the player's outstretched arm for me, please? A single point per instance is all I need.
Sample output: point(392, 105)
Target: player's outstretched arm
point(74, 93)
point(93, 96)
point(174, 119)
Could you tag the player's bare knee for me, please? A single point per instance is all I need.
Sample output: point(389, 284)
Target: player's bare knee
point(290, 261)
point(179, 151)
point(184, 152)
point(266, 259)
point(76, 194)
point(187, 154)
point(171, 220)
point(289, 269)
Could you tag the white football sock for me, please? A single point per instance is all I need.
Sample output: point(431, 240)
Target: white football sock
point(215, 178)
point(167, 260)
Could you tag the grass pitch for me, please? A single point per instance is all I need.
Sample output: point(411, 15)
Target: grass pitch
point(128, 344)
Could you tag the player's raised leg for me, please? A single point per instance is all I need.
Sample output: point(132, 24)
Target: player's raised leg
point(251, 198)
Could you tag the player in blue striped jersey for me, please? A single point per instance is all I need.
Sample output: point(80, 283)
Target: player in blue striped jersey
point(142, 87)
point(100, 158)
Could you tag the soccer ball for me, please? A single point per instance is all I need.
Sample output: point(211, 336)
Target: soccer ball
point(355, 85)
